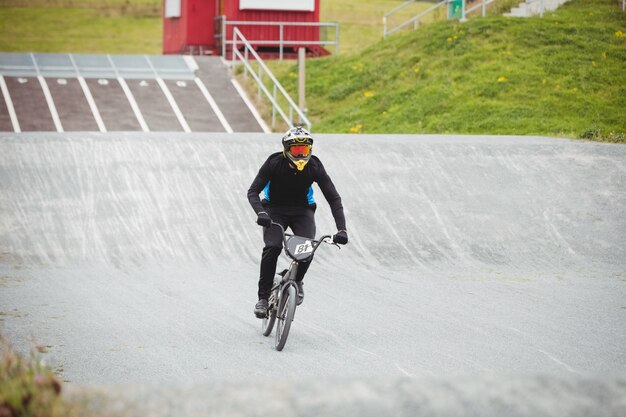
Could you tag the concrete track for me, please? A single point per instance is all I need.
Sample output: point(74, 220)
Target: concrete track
point(134, 257)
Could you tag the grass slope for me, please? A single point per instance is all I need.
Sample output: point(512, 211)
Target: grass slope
point(81, 26)
point(361, 21)
point(562, 75)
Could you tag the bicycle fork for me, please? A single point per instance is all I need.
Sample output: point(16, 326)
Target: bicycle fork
point(279, 290)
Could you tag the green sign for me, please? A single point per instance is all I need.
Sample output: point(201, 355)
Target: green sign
point(455, 9)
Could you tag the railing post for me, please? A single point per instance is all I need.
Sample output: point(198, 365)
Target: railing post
point(384, 27)
point(484, 8)
point(274, 106)
point(463, 18)
point(281, 40)
point(224, 36)
point(245, 58)
point(337, 38)
point(302, 79)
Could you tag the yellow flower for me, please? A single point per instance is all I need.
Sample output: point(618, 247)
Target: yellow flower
point(450, 39)
point(356, 128)
point(417, 70)
point(501, 79)
point(593, 63)
point(604, 55)
point(620, 34)
point(368, 94)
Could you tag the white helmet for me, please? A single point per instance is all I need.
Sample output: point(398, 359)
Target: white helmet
point(297, 146)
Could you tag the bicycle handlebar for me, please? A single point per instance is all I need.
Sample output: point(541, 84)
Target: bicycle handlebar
point(317, 242)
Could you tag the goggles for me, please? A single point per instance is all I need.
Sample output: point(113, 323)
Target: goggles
point(300, 150)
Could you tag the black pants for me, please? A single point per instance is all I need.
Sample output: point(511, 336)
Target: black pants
point(301, 220)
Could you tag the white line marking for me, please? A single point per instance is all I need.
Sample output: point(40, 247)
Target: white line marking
point(51, 106)
point(214, 106)
point(9, 102)
point(173, 105)
point(92, 104)
point(191, 62)
point(133, 104)
point(255, 113)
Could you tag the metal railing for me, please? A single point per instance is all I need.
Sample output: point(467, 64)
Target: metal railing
point(482, 5)
point(222, 33)
point(415, 21)
point(278, 92)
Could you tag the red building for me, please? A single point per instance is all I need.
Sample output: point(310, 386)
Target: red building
point(206, 26)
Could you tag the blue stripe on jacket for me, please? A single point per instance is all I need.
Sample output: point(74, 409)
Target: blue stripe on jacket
point(266, 191)
point(309, 196)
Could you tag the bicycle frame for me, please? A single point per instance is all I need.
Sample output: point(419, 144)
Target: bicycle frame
point(281, 308)
point(291, 273)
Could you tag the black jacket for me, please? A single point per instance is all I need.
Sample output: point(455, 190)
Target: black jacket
point(284, 185)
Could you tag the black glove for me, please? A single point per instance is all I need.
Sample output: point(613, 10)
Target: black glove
point(263, 219)
point(341, 237)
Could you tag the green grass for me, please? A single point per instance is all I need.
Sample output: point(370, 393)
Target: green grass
point(562, 75)
point(361, 22)
point(29, 388)
point(81, 26)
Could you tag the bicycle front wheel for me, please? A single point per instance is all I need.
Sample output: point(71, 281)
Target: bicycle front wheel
point(268, 322)
point(286, 311)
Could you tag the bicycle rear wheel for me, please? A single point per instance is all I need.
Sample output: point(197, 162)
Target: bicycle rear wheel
point(285, 313)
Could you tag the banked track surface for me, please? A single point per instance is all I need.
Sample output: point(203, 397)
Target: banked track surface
point(497, 260)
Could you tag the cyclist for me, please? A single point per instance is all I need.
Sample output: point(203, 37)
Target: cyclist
point(286, 180)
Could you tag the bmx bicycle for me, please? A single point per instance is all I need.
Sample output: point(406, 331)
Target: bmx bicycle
point(283, 298)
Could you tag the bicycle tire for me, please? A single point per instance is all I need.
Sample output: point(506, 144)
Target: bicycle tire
point(268, 322)
point(285, 313)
